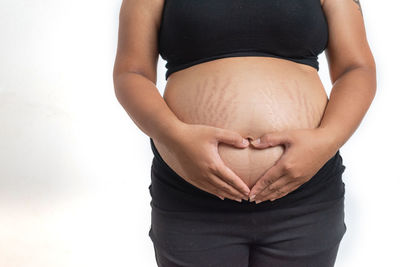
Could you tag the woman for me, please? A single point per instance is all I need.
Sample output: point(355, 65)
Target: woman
point(246, 169)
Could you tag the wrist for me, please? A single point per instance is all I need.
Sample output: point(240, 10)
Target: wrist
point(330, 139)
point(171, 132)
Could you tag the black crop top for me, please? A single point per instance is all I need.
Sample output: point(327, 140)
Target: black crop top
point(196, 31)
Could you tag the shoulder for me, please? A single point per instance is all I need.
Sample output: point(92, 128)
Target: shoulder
point(137, 51)
point(347, 46)
point(148, 8)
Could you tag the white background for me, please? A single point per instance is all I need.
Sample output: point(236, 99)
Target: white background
point(75, 170)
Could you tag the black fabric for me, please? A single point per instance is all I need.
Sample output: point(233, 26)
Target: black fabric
point(170, 192)
point(196, 31)
point(300, 236)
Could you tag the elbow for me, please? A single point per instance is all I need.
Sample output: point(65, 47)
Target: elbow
point(370, 74)
point(121, 81)
point(364, 63)
point(365, 71)
point(369, 67)
point(116, 78)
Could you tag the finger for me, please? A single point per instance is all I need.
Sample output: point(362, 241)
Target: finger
point(226, 192)
point(215, 189)
point(231, 138)
point(224, 187)
point(281, 192)
point(212, 189)
point(278, 184)
point(288, 189)
point(270, 176)
point(278, 188)
point(267, 194)
point(205, 186)
point(274, 195)
point(225, 173)
point(228, 195)
point(272, 139)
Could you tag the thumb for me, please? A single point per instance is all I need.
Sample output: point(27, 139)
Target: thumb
point(271, 139)
point(231, 138)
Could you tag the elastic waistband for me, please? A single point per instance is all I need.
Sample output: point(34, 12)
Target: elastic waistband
point(171, 192)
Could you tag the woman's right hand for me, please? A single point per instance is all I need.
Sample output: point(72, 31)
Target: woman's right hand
point(197, 152)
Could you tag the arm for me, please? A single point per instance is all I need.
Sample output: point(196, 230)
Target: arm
point(352, 71)
point(135, 70)
point(135, 77)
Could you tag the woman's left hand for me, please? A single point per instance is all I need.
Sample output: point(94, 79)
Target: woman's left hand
point(306, 151)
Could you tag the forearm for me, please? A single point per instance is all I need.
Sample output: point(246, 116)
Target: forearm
point(146, 107)
point(350, 98)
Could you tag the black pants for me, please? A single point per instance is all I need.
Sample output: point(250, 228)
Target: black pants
point(303, 229)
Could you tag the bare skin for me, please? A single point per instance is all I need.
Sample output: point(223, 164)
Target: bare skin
point(359, 5)
point(247, 97)
point(250, 95)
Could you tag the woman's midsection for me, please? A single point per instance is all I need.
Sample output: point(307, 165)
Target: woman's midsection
point(251, 96)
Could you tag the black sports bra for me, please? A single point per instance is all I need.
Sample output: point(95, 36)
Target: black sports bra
point(196, 31)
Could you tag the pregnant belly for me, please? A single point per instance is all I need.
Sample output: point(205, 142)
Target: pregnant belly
point(249, 95)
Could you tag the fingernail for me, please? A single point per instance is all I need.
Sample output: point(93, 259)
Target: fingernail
point(257, 141)
point(238, 199)
point(252, 197)
point(245, 141)
point(258, 201)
